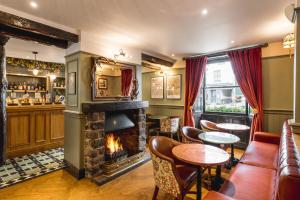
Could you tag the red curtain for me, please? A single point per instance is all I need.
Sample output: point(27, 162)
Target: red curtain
point(247, 67)
point(127, 76)
point(194, 73)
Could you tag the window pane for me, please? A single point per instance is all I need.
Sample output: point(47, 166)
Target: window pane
point(228, 100)
point(198, 105)
point(219, 74)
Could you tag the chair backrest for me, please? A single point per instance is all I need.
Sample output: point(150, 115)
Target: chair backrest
point(208, 126)
point(288, 174)
point(165, 175)
point(169, 124)
point(190, 135)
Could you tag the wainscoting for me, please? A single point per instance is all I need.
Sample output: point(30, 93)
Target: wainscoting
point(273, 119)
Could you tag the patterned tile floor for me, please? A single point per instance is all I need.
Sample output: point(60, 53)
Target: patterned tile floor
point(26, 167)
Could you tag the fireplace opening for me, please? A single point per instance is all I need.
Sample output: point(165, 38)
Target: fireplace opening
point(114, 150)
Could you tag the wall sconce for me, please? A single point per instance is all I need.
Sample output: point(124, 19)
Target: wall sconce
point(289, 42)
point(122, 53)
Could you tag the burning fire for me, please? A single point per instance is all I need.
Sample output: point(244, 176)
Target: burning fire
point(113, 144)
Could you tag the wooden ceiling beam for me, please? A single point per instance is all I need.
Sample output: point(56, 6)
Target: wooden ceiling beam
point(22, 28)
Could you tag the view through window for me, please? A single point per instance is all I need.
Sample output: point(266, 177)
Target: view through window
point(220, 91)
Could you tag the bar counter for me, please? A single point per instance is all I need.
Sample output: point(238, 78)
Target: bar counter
point(34, 128)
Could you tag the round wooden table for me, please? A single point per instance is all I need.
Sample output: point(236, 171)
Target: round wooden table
point(200, 155)
point(231, 127)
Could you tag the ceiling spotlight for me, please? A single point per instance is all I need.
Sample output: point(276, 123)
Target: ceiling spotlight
point(172, 54)
point(33, 4)
point(204, 12)
point(232, 41)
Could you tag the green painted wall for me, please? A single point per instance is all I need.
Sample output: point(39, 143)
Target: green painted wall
point(278, 83)
point(277, 88)
point(163, 106)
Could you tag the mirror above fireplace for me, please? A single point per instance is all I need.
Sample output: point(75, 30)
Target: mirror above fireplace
point(111, 80)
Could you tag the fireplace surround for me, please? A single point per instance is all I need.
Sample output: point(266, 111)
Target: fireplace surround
point(114, 138)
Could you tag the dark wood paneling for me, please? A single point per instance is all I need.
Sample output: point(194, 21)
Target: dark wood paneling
point(23, 28)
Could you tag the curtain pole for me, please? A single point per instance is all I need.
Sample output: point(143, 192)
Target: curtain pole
point(219, 53)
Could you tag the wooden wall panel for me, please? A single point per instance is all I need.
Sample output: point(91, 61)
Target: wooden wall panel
point(273, 120)
point(19, 129)
point(32, 129)
point(41, 126)
point(57, 125)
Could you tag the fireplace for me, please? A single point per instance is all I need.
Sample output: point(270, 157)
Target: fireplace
point(115, 139)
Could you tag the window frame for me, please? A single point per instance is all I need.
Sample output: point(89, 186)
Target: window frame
point(203, 88)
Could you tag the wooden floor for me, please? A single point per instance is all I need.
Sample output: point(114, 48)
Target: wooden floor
point(135, 185)
point(60, 185)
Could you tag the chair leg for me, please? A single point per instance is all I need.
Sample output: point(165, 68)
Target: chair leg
point(209, 182)
point(178, 137)
point(181, 197)
point(155, 193)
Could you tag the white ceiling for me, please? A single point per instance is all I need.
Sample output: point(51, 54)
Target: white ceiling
point(169, 26)
point(23, 49)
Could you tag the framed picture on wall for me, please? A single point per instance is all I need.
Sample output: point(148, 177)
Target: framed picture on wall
point(72, 83)
point(102, 83)
point(157, 87)
point(173, 86)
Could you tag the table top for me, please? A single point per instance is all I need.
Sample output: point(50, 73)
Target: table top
point(218, 137)
point(233, 127)
point(200, 154)
point(158, 117)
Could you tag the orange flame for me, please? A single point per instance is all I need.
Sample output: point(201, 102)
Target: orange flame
point(113, 144)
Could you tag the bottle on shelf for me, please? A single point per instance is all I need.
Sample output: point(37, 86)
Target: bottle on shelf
point(24, 86)
point(15, 86)
point(28, 86)
point(32, 86)
point(20, 86)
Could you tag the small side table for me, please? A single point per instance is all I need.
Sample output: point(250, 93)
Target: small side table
point(200, 155)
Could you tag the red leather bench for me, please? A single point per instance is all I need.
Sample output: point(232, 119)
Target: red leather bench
point(269, 169)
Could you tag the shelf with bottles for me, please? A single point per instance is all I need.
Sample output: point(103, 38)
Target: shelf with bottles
point(59, 83)
point(29, 91)
point(22, 83)
point(59, 88)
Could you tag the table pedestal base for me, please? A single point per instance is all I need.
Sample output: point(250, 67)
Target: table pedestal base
point(199, 179)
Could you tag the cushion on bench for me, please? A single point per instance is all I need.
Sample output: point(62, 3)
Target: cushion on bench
point(212, 195)
point(261, 154)
point(249, 182)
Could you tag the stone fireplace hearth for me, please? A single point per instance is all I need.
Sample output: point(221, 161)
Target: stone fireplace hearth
point(112, 151)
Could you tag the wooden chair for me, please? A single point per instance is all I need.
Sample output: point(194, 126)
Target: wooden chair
point(170, 175)
point(190, 136)
point(170, 126)
point(209, 126)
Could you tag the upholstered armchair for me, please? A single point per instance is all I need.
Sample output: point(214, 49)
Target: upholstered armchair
point(190, 135)
point(209, 126)
point(170, 175)
point(170, 126)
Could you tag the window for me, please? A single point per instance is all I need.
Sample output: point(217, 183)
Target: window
point(220, 91)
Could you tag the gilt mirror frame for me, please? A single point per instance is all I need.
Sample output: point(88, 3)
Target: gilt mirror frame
point(96, 62)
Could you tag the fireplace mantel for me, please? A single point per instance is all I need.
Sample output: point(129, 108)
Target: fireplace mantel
point(113, 106)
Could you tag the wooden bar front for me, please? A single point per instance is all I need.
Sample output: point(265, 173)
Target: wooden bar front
point(34, 128)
